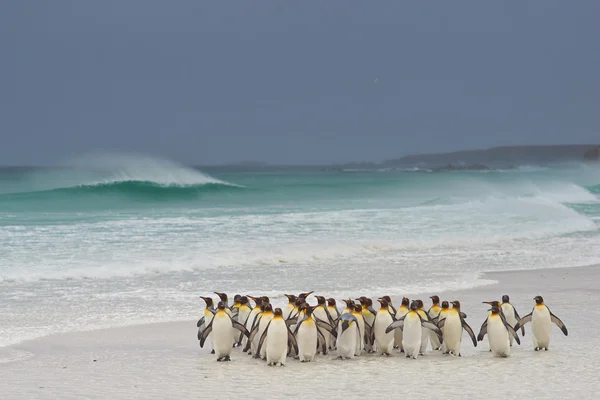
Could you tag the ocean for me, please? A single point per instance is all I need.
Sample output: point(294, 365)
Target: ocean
point(119, 240)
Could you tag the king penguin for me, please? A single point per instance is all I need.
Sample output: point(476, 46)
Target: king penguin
point(453, 325)
point(309, 337)
point(243, 313)
point(322, 313)
point(423, 314)
point(434, 312)
point(440, 317)
point(401, 312)
point(223, 297)
point(511, 315)
point(360, 342)
point(274, 340)
point(412, 326)
point(347, 336)
point(222, 326)
point(207, 317)
point(541, 319)
point(499, 331)
point(251, 319)
point(383, 339)
point(290, 305)
point(335, 314)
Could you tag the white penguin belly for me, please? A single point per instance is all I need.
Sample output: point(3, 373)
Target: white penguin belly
point(540, 327)
point(346, 341)
point(276, 342)
point(384, 341)
point(498, 337)
point(222, 332)
point(307, 340)
point(453, 334)
point(411, 336)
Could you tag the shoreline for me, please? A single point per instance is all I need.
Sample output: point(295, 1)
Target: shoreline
point(485, 277)
point(163, 360)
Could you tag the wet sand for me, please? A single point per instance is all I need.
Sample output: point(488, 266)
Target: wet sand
point(160, 361)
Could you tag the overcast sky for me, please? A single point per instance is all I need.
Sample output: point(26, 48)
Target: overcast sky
point(204, 82)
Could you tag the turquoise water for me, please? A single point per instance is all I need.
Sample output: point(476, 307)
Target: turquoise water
point(119, 240)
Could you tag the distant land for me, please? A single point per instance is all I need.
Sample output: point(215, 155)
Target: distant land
point(479, 159)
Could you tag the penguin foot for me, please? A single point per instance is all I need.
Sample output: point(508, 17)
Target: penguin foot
point(213, 351)
point(537, 349)
point(545, 348)
point(219, 359)
point(227, 358)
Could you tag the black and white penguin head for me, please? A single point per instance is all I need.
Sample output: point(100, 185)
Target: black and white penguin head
point(435, 299)
point(538, 300)
point(505, 298)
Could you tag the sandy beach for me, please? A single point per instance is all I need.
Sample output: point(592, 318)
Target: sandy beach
point(164, 360)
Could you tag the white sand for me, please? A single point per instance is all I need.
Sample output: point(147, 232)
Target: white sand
point(164, 361)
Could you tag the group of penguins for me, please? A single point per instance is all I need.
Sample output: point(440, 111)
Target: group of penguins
point(302, 330)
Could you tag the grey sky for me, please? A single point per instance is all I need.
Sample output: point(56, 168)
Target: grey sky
point(294, 82)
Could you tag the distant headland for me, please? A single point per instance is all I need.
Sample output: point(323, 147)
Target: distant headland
point(505, 157)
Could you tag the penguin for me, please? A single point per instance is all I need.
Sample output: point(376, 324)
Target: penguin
point(335, 314)
point(511, 315)
point(390, 305)
point(290, 305)
point(223, 297)
point(434, 312)
point(443, 312)
point(541, 319)
point(369, 316)
point(207, 317)
point(362, 333)
point(349, 306)
point(383, 339)
point(265, 317)
point(274, 340)
point(222, 326)
point(412, 326)
point(261, 321)
point(453, 325)
point(303, 296)
point(309, 337)
point(235, 307)
point(321, 312)
point(251, 318)
point(401, 312)
point(483, 329)
point(347, 336)
point(498, 330)
point(423, 314)
point(243, 313)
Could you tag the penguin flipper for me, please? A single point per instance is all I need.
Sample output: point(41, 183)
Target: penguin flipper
point(292, 342)
point(321, 342)
point(512, 332)
point(522, 322)
point(240, 328)
point(463, 315)
point(483, 331)
point(291, 321)
point(253, 333)
point(324, 325)
point(518, 318)
point(329, 317)
point(469, 331)
point(261, 341)
point(441, 323)
point(559, 323)
point(432, 327)
point(395, 325)
point(205, 334)
point(200, 322)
